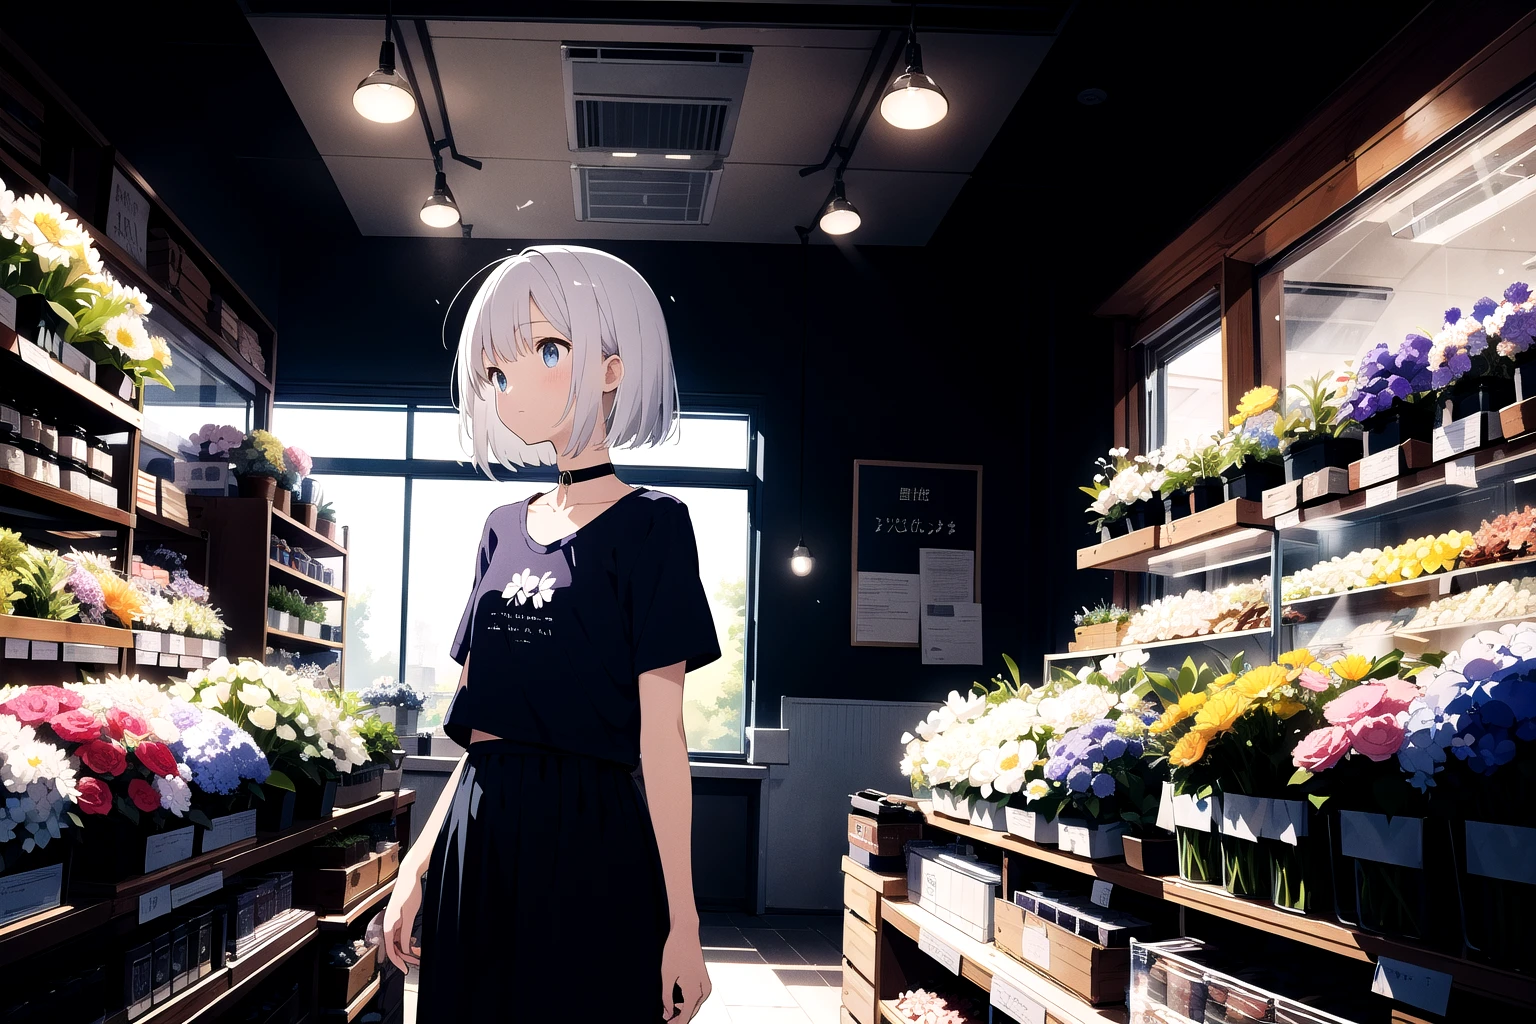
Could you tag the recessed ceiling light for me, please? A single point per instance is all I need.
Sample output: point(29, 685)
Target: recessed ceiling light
point(1092, 97)
point(626, 154)
point(679, 156)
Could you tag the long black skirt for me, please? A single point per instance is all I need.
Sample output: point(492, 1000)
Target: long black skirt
point(546, 871)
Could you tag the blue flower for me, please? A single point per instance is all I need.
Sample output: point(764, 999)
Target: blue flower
point(1103, 785)
point(1114, 746)
point(1484, 307)
point(220, 754)
point(1517, 293)
point(1079, 778)
point(1452, 315)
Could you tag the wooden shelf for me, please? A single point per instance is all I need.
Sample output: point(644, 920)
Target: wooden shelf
point(355, 1007)
point(45, 498)
point(316, 544)
point(1228, 534)
point(1115, 872)
point(1128, 552)
point(1155, 644)
point(40, 931)
point(62, 391)
point(1418, 586)
point(150, 521)
point(341, 921)
point(304, 641)
point(885, 885)
point(306, 585)
point(22, 627)
point(981, 962)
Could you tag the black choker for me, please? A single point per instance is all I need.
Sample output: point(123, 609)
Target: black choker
point(576, 476)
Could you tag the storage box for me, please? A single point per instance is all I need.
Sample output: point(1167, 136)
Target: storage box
point(883, 839)
point(335, 888)
point(389, 862)
point(338, 856)
point(884, 865)
point(1097, 973)
point(340, 985)
point(948, 882)
point(361, 785)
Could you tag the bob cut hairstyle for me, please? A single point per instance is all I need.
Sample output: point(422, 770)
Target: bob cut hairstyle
point(605, 308)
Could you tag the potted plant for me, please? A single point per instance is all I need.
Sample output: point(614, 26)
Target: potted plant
point(289, 608)
point(313, 615)
point(326, 521)
point(1312, 434)
point(212, 443)
point(383, 746)
point(393, 702)
point(1473, 376)
point(1103, 625)
point(298, 465)
point(1511, 328)
point(1251, 452)
point(259, 465)
point(339, 850)
point(1125, 494)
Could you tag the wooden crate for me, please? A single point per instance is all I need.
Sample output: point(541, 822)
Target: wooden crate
point(339, 986)
point(389, 862)
point(859, 943)
point(1098, 636)
point(335, 888)
point(859, 996)
point(861, 899)
point(1098, 974)
point(1128, 552)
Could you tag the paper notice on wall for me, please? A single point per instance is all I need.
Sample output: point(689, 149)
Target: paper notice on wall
point(946, 576)
point(887, 608)
point(951, 634)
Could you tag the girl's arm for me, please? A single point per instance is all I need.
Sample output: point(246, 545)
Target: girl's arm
point(669, 787)
point(421, 852)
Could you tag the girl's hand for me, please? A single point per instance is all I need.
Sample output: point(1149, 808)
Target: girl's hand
point(682, 964)
point(400, 919)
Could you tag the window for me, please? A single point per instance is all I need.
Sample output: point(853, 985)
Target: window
point(393, 469)
point(208, 389)
point(1184, 394)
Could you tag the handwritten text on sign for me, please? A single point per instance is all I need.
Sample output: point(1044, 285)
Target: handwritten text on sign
point(128, 217)
point(1411, 984)
point(1015, 1003)
point(940, 950)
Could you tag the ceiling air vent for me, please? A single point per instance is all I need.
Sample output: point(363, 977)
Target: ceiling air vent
point(644, 195)
point(651, 105)
point(1336, 319)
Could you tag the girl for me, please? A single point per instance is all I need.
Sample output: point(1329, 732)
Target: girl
point(555, 885)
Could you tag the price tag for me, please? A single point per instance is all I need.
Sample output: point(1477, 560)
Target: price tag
point(45, 650)
point(1036, 947)
point(1101, 892)
point(1460, 436)
point(197, 888)
point(154, 903)
point(1015, 1003)
point(167, 848)
point(1379, 468)
point(7, 309)
point(940, 950)
point(1288, 520)
point(1279, 499)
point(1411, 984)
point(1462, 472)
point(1381, 494)
point(17, 648)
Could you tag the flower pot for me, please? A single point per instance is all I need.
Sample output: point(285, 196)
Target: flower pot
point(1207, 492)
point(1404, 421)
point(258, 487)
point(988, 814)
point(1395, 876)
point(1525, 375)
point(314, 800)
point(1178, 504)
point(1497, 876)
point(312, 629)
point(327, 529)
point(282, 498)
point(1318, 452)
point(360, 786)
point(1030, 825)
point(393, 779)
point(1142, 514)
point(1299, 863)
point(274, 618)
point(275, 813)
point(1473, 395)
point(112, 848)
point(1094, 841)
point(306, 513)
point(38, 323)
point(1152, 854)
point(1250, 480)
point(404, 720)
point(31, 883)
point(1115, 528)
point(1245, 869)
point(115, 382)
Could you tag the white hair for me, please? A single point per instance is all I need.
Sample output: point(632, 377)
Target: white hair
point(605, 308)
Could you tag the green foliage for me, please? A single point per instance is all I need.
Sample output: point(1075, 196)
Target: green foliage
point(326, 512)
point(314, 612)
point(1101, 613)
point(40, 578)
point(11, 549)
point(378, 737)
point(1317, 414)
point(291, 601)
point(342, 839)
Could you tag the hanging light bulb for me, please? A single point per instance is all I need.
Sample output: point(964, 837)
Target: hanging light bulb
point(839, 216)
point(913, 100)
point(800, 560)
point(440, 211)
point(384, 96)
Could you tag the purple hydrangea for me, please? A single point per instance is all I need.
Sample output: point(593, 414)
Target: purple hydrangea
point(1386, 376)
point(86, 590)
point(220, 754)
point(1483, 308)
point(1517, 293)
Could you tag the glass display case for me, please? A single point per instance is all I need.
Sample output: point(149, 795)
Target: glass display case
point(209, 389)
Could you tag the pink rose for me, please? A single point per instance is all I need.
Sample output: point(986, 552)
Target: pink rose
point(33, 706)
point(1314, 680)
point(1322, 749)
point(121, 720)
point(299, 460)
point(1377, 737)
point(1354, 704)
point(76, 726)
point(1399, 694)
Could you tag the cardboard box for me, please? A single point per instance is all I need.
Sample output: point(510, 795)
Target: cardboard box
point(887, 839)
point(389, 862)
point(336, 888)
point(340, 985)
point(1098, 974)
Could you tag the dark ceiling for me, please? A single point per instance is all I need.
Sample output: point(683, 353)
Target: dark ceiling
point(1197, 93)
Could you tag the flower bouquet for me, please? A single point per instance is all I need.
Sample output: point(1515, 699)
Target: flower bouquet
point(299, 465)
point(395, 703)
point(212, 442)
point(259, 465)
point(1235, 607)
point(1511, 328)
point(38, 788)
point(1251, 461)
point(1472, 377)
point(1123, 484)
point(1506, 538)
point(1312, 433)
point(68, 305)
point(1096, 774)
point(1391, 396)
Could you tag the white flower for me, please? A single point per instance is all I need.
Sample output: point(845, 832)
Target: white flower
point(164, 730)
point(175, 794)
point(254, 695)
point(965, 708)
point(541, 590)
point(514, 589)
point(286, 732)
point(1037, 788)
point(1014, 760)
point(126, 333)
point(263, 717)
point(1135, 658)
point(42, 224)
point(1113, 668)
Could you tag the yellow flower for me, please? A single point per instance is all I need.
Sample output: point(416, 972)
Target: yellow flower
point(1286, 708)
point(1219, 683)
point(1442, 552)
point(162, 351)
point(1354, 667)
point(1192, 702)
point(1189, 749)
point(1299, 658)
point(1261, 680)
point(1223, 710)
point(1254, 402)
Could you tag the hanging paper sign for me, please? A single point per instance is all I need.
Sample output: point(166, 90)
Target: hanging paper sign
point(128, 217)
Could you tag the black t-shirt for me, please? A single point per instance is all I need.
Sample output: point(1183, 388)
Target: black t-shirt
point(561, 633)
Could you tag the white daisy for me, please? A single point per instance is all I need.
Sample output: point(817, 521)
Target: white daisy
point(42, 224)
point(126, 333)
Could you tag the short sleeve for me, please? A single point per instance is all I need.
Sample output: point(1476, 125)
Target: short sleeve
point(671, 621)
point(460, 649)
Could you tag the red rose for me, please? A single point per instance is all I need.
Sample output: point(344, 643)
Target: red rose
point(121, 720)
point(157, 757)
point(143, 796)
point(103, 757)
point(33, 706)
point(76, 726)
point(95, 796)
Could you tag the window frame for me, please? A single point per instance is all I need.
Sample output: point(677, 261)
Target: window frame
point(695, 406)
point(1185, 331)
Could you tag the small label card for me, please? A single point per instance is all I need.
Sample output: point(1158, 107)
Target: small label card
point(940, 950)
point(197, 888)
point(1411, 984)
point(1379, 468)
point(231, 828)
point(154, 903)
point(175, 643)
point(167, 848)
point(30, 892)
point(146, 658)
point(1381, 494)
point(1288, 520)
point(7, 309)
point(1101, 892)
point(1462, 472)
point(1460, 436)
point(1280, 499)
point(17, 648)
point(45, 650)
point(1035, 944)
point(1015, 1003)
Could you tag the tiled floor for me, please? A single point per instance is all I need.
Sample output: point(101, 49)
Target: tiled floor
point(776, 969)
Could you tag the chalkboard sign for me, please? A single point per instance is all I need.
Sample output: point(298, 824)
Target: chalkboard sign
point(128, 216)
point(900, 508)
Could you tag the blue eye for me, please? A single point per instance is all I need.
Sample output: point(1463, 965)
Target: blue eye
point(551, 353)
point(497, 378)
